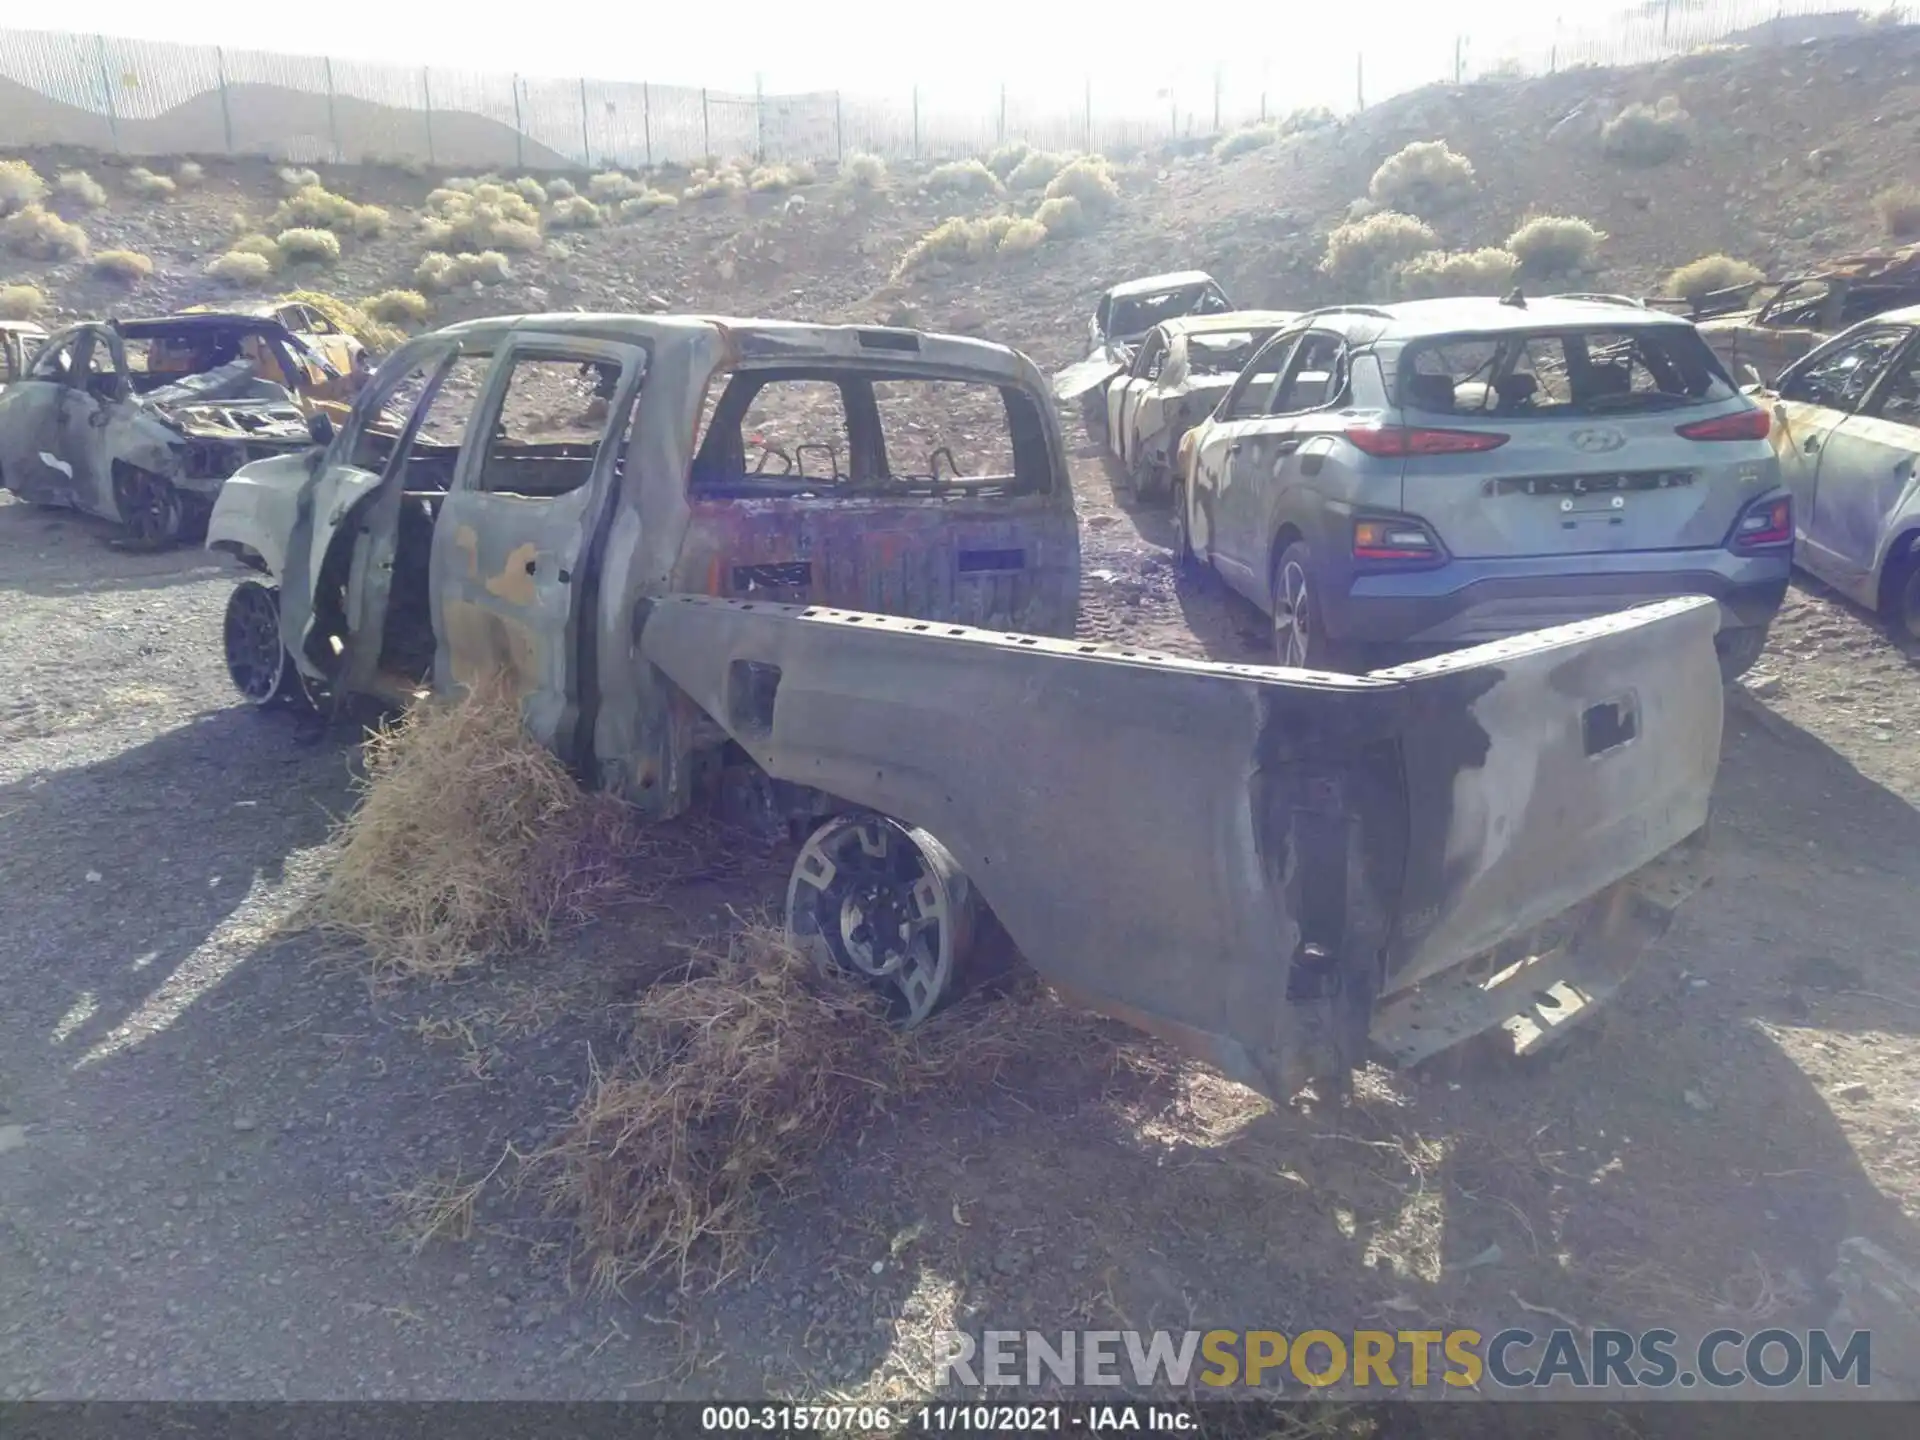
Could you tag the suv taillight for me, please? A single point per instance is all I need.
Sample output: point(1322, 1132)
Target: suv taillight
point(1755, 424)
point(1764, 525)
point(1394, 441)
point(1394, 540)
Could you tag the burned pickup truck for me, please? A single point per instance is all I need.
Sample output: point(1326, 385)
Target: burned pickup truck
point(834, 570)
point(141, 421)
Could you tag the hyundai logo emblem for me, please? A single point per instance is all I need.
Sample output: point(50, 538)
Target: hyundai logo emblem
point(1598, 440)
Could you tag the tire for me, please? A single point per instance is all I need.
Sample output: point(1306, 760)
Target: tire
point(250, 637)
point(1903, 613)
point(1299, 633)
point(1183, 555)
point(1739, 650)
point(152, 509)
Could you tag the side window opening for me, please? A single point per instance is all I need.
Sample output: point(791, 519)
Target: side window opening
point(1842, 378)
point(552, 424)
point(1899, 397)
point(102, 376)
point(1248, 397)
point(57, 362)
point(1313, 379)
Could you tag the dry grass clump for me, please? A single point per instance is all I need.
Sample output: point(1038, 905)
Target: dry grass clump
point(963, 241)
point(612, 186)
point(129, 267)
point(20, 186)
point(647, 203)
point(143, 184)
point(1244, 140)
point(963, 177)
point(1023, 236)
point(1004, 160)
point(716, 184)
point(561, 189)
point(80, 189)
point(1556, 245)
point(21, 302)
point(529, 190)
point(1424, 178)
point(313, 207)
point(398, 307)
point(1089, 180)
point(189, 174)
point(1489, 271)
point(1898, 207)
point(577, 213)
point(293, 179)
point(38, 234)
point(469, 841)
point(864, 171)
point(309, 247)
point(738, 1076)
point(1035, 170)
point(487, 217)
point(242, 269)
point(1062, 217)
point(1365, 256)
point(1700, 278)
point(773, 179)
point(265, 246)
point(443, 272)
point(1647, 134)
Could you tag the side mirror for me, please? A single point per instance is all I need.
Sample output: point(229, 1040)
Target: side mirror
point(320, 428)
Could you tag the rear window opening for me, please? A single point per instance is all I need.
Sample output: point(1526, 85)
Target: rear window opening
point(1137, 314)
point(1223, 354)
point(1562, 372)
point(812, 431)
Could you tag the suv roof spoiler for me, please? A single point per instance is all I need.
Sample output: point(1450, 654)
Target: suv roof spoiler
point(1375, 311)
point(1599, 298)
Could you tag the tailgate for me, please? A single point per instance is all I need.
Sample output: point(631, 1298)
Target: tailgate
point(1183, 844)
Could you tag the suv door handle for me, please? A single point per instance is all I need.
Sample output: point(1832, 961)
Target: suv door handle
point(1287, 446)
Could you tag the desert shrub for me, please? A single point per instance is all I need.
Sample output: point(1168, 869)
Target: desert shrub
point(293, 179)
point(1035, 170)
point(443, 272)
point(1021, 236)
point(375, 334)
point(1365, 255)
point(309, 246)
point(1424, 178)
point(561, 189)
point(529, 190)
point(20, 186)
point(81, 188)
point(964, 241)
point(127, 266)
point(613, 186)
point(241, 268)
point(864, 172)
point(1240, 142)
point(647, 203)
point(39, 234)
point(398, 307)
point(313, 207)
point(1709, 273)
point(1306, 120)
point(1003, 161)
point(578, 213)
point(962, 177)
point(21, 302)
point(1089, 180)
point(1555, 245)
point(189, 174)
point(772, 179)
point(262, 245)
point(489, 217)
point(1062, 217)
point(714, 185)
point(1647, 134)
point(1898, 207)
point(1468, 272)
point(143, 184)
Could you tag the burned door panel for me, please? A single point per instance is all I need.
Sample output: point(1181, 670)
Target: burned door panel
point(1291, 815)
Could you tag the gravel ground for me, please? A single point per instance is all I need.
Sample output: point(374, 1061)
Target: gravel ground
point(205, 1122)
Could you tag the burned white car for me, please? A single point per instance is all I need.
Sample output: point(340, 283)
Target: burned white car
point(142, 421)
point(1178, 375)
point(1121, 320)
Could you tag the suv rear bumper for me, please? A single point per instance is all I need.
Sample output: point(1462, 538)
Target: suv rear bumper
point(1471, 601)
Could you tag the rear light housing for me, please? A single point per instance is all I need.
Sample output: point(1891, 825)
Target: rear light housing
point(1398, 541)
point(1397, 441)
point(1766, 524)
point(1754, 424)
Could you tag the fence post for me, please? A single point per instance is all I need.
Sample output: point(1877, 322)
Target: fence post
point(426, 92)
point(106, 90)
point(586, 142)
point(706, 131)
point(519, 130)
point(226, 113)
point(1216, 101)
point(1360, 81)
point(839, 130)
point(646, 119)
point(759, 120)
point(1666, 19)
point(1457, 58)
point(1001, 132)
point(1089, 114)
point(333, 119)
point(916, 122)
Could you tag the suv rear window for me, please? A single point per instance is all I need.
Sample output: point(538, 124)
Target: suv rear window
point(1582, 371)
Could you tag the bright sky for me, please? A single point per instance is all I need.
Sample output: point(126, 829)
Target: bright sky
point(878, 49)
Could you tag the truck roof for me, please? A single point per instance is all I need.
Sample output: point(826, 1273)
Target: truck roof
point(1153, 284)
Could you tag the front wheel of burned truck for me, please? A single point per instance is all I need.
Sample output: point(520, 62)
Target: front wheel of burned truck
point(151, 507)
point(257, 660)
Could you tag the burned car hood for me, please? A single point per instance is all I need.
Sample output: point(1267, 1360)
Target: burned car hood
point(1085, 375)
point(256, 421)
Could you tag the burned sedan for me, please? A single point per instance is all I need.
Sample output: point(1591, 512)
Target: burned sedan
point(1121, 320)
point(1178, 375)
point(827, 577)
point(141, 421)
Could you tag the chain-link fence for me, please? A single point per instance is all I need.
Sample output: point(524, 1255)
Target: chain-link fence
point(155, 98)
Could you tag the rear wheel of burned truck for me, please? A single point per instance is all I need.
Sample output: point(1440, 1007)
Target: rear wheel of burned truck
point(886, 903)
point(257, 659)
